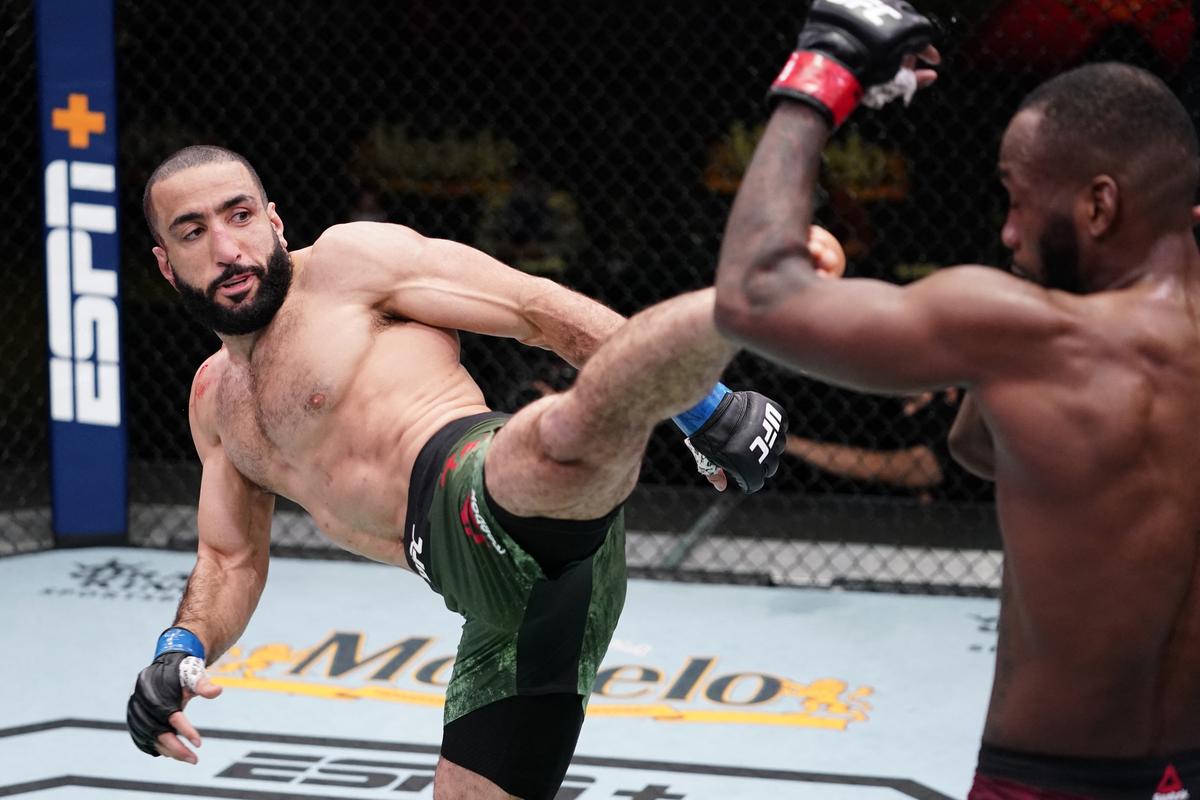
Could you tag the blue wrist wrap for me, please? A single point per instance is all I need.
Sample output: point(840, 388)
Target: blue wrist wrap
point(179, 640)
point(690, 421)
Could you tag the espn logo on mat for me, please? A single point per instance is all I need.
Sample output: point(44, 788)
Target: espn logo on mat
point(81, 295)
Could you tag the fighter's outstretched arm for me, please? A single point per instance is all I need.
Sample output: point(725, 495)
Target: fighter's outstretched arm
point(952, 328)
point(765, 248)
point(234, 521)
point(450, 285)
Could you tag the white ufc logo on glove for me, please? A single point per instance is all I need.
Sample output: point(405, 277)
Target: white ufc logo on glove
point(873, 11)
point(772, 419)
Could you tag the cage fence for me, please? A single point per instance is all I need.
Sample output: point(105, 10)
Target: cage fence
point(599, 145)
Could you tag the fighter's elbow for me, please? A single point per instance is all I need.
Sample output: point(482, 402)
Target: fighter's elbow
point(736, 318)
point(747, 297)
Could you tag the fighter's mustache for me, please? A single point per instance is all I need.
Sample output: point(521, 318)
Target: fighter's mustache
point(231, 273)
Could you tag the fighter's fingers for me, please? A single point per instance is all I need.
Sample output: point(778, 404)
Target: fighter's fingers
point(207, 689)
point(925, 77)
point(183, 726)
point(169, 745)
point(719, 480)
point(195, 680)
point(829, 259)
point(915, 403)
point(1196, 214)
point(930, 56)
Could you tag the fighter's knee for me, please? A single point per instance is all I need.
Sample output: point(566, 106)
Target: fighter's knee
point(560, 430)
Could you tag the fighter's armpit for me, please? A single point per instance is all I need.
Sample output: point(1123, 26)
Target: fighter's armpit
point(970, 440)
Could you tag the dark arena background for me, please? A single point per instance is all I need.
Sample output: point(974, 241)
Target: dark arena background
point(598, 144)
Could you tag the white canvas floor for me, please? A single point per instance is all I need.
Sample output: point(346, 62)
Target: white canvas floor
point(335, 689)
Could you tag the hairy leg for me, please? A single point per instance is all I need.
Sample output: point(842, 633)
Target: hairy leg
point(452, 782)
point(577, 455)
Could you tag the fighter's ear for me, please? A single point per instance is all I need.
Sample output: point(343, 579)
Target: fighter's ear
point(164, 265)
point(1101, 205)
point(276, 222)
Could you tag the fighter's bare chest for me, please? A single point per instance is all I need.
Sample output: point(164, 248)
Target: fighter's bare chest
point(276, 407)
point(280, 404)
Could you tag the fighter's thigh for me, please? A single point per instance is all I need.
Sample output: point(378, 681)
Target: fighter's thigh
point(551, 460)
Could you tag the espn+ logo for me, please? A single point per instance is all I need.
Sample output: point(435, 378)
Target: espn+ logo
point(81, 296)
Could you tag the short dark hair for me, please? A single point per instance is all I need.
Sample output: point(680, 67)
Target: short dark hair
point(1121, 120)
point(187, 158)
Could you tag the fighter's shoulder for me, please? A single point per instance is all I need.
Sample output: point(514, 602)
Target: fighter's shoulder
point(976, 289)
point(352, 256)
point(977, 277)
point(357, 238)
point(202, 399)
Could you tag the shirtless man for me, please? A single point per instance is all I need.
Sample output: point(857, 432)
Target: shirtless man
point(338, 385)
point(1083, 367)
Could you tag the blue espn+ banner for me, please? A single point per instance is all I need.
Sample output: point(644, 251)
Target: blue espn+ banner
point(79, 156)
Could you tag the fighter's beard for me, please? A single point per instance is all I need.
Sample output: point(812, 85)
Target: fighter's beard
point(1058, 249)
point(273, 283)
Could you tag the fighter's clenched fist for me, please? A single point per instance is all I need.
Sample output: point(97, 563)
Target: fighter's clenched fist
point(849, 46)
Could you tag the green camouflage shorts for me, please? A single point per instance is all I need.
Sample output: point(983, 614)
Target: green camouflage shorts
point(524, 634)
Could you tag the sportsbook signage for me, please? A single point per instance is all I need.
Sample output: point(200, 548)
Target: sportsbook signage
point(342, 665)
point(79, 157)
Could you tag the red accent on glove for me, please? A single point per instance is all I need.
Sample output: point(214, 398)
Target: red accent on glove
point(823, 79)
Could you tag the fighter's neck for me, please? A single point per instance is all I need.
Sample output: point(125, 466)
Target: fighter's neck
point(240, 349)
point(1165, 257)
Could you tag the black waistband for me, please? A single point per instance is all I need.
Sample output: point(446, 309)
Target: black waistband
point(426, 469)
point(1102, 778)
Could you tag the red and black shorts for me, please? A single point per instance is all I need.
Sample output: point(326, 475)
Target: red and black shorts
point(1013, 775)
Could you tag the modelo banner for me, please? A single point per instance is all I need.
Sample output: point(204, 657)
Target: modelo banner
point(79, 155)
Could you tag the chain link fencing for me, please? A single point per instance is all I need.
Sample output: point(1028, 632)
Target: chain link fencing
point(599, 145)
point(24, 412)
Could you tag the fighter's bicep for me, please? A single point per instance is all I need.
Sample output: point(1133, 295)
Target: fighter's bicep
point(466, 289)
point(437, 282)
point(887, 338)
point(234, 515)
point(953, 328)
point(864, 334)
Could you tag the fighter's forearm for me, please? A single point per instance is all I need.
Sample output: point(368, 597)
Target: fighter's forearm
point(913, 467)
point(764, 253)
point(219, 601)
point(568, 323)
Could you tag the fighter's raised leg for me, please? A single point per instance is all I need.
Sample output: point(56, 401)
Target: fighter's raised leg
point(556, 474)
point(576, 455)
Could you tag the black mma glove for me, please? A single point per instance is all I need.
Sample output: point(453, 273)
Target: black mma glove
point(158, 692)
point(846, 47)
point(744, 436)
